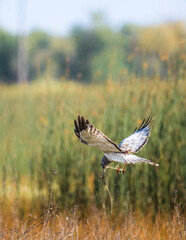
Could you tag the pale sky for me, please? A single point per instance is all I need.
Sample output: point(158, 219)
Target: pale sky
point(59, 16)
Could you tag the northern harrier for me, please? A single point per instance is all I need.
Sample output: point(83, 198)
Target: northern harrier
point(123, 153)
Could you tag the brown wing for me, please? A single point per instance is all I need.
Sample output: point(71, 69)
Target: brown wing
point(92, 136)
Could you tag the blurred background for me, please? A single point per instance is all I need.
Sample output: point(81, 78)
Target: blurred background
point(115, 63)
point(91, 42)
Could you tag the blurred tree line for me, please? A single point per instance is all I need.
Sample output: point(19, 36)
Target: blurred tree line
point(98, 53)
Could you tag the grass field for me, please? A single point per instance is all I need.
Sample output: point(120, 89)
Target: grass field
point(36, 135)
point(95, 226)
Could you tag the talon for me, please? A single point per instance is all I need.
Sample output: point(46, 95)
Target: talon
point(118, 170)
point(123, 171)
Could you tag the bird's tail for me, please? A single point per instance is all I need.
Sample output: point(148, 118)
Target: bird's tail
point(133, 159)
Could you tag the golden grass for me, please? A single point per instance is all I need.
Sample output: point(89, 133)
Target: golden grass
point(96, 225)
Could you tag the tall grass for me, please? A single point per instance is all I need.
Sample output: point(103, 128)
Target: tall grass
point(36, 135)
point(69, 225)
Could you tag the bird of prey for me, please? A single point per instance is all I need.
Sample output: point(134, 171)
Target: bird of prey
point(124, 153)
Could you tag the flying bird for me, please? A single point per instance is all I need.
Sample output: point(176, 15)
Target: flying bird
point(122, 153)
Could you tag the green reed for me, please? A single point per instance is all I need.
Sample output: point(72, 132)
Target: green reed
point(36, 135)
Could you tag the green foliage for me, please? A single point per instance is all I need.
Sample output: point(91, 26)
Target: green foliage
point(7, 56)
point(88, 44)
point(48, 55)
point(39, 53)
point(37, 136)
point(99, 53)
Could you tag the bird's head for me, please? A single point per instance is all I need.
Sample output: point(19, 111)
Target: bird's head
point(105, 161)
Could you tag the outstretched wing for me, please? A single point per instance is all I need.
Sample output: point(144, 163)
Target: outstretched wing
point(92, 136)
point(135, 159)
point(139, 138)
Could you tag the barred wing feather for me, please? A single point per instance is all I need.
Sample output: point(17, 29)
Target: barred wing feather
point(135, 159)
point(139, 138)
point(90, 135)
